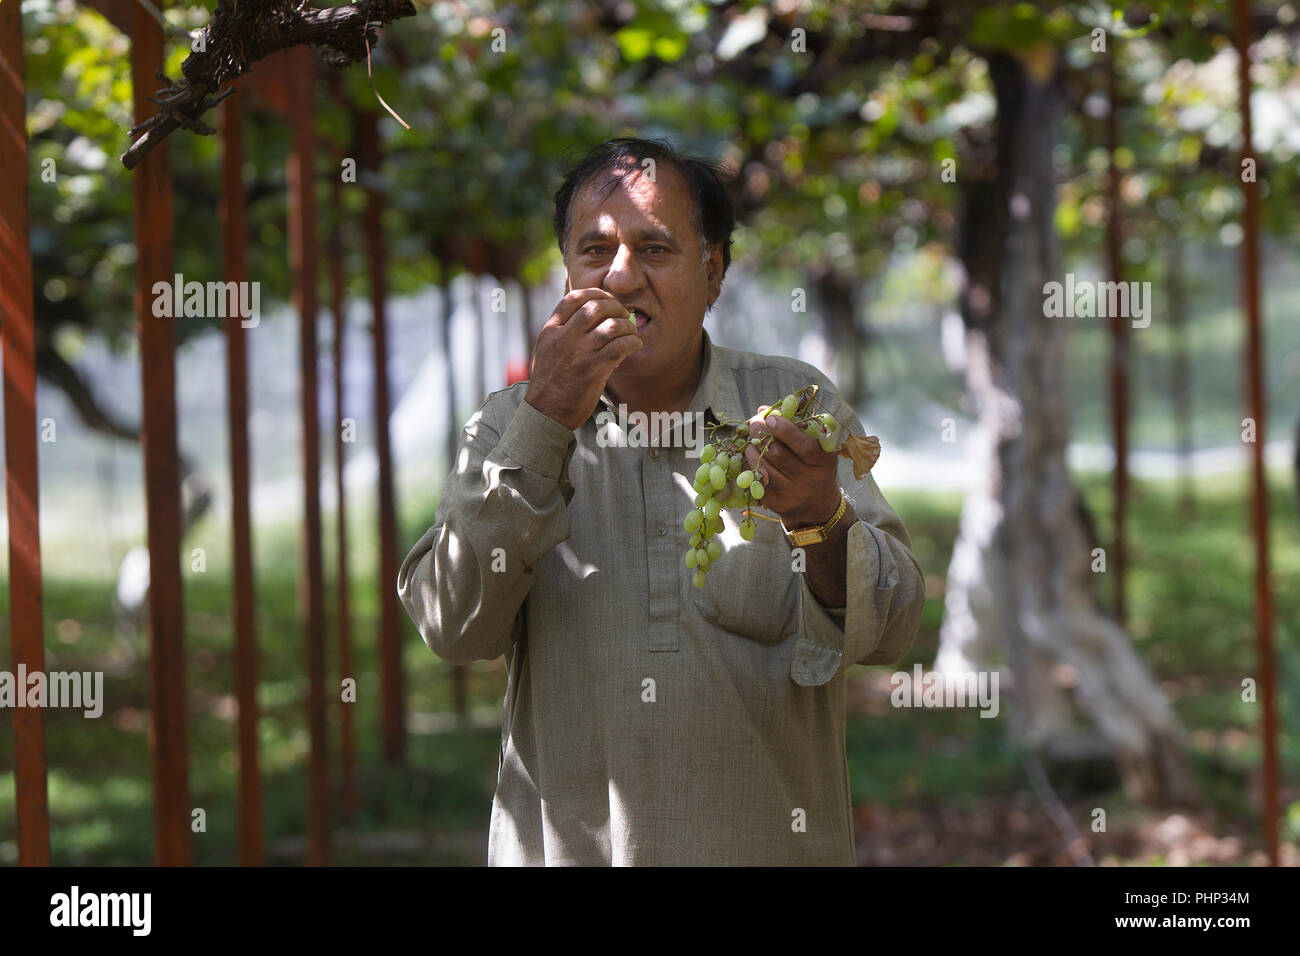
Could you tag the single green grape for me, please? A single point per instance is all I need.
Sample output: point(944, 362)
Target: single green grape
point(828, 420)
point(722, 460)
point(744, 479)
point(698, 579)
point(715, 524)
point(717, 477)
point(747, 529)
point(827, 442)
point(701, 498)
point(755, 491)
point(693, 519)
point(742, 430)
point(712, 507)
point(706, 455)
point(733, 469)
point(696, 538)
point(715, 550)
point(702, 473)
point(692, 559)
point(736, 500)
point(789, 405)
point(810, 428)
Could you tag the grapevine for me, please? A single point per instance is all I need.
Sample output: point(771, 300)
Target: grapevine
point(724, 481)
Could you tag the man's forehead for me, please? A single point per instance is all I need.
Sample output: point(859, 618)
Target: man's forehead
point(663, 200)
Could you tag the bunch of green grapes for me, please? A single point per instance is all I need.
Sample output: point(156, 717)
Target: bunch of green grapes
point(724, 481)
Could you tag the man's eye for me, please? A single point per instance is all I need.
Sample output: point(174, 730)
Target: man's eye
point(594, 250)
point(657, 250)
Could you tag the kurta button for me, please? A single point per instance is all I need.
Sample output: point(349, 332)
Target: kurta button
point(662, 530)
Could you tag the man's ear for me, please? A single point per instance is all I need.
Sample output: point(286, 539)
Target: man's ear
point(714, 275)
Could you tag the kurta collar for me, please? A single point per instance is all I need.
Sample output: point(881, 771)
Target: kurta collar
point(716, 396)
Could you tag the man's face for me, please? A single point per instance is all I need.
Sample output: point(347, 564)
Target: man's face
point(638, 243)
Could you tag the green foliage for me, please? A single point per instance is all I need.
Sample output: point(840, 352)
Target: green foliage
point(839, 152)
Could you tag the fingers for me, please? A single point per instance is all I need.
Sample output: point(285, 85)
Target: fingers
point(770, 469)
point(573, 301)
point(803, 445)
point(595, 311)
point(620, 346)
point(788, 453)
point(609, 329)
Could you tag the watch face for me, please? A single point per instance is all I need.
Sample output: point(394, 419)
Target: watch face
point(809, 536)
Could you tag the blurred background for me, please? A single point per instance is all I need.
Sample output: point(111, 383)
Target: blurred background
point(908, 176)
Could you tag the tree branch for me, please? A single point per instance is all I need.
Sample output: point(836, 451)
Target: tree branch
point(242, 34)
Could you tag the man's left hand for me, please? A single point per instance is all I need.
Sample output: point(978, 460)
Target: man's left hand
point(799, 479)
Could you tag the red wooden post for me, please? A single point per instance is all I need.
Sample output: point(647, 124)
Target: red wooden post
point(350, 804)
point(390, 650)
point(17, 331)
point(1255, 402)
point(152, 185)
point(1120, 355)
point(303, 263)
point(235, 238)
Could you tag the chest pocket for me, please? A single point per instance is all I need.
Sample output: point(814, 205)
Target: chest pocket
point(751, 591)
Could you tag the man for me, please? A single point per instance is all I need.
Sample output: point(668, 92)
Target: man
point(647, 721)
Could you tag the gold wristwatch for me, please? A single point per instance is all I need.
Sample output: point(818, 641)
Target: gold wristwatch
point(803, 537)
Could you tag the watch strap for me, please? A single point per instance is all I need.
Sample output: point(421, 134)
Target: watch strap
point(802, 537)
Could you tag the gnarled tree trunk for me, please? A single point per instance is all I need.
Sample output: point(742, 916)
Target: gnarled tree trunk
point(1019, 587)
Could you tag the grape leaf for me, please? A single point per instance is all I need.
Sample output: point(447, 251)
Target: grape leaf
point(863, 452)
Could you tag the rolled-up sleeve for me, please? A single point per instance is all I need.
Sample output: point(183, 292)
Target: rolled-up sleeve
point(885, 588)
point(504, 505)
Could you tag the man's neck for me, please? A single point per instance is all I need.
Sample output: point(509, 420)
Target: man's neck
point(661, 394)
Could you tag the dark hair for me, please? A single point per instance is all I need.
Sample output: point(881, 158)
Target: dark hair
point(712, 214)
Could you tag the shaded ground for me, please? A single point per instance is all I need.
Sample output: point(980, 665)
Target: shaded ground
point(1018, 831)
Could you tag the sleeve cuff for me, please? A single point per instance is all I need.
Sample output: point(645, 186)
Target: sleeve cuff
point(820, 653)
point(537, 442)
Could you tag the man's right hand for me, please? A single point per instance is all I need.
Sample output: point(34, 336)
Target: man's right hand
point(581, 344)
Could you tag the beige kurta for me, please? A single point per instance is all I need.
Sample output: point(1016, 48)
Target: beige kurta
point(647, 721)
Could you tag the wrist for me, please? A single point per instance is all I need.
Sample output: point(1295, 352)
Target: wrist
point(816, 514)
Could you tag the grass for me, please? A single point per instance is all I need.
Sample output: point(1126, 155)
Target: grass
point(1191, 617)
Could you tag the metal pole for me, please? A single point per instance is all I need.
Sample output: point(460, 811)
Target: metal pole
point(390, 649)
point(17, 333)
point(235, 237)
point(152, 186)
point(1255, 403)
point(1120, 348)
point(350, 804)
point(303, 266)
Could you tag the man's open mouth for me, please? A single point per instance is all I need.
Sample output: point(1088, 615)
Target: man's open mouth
point(642, 319)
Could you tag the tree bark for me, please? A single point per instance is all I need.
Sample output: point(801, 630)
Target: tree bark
point(846, 337)
point(1019, 585)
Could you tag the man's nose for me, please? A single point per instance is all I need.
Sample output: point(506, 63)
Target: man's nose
point(624, 275)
